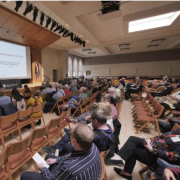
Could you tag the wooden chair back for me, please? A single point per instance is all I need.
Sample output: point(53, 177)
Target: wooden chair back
point(17, 147)
point(37, 108)
point(25, 113)
point(40, 132)
point(60, 99)
point(8, 119)
point(43, 96)
point(159, 108)
point(3, 170)
point(66, 98)
point(66, 113)
point(54, 122)
point(27, 94)
point(3, 157)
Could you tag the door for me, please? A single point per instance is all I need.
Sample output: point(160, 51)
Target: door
point(55, 75)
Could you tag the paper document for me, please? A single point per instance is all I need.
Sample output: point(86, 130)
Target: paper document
point(144, 137)
point(175, 139)
point(39, 160)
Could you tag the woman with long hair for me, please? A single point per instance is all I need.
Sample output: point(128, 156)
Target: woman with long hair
point(18, 99)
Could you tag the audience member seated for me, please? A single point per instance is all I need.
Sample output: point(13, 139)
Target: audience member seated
point(103, 135)
point(53, 87)
point(95, 87)
point(34, 101)
point(112, 91)
point(66, 89)
point(83, 162)
point(111, 100)
point(55, 97)
point(85, 117)
point(165, 92)
point(120, 87)
point(134, 89)
point(26, 89)
point(169, 99)
point(18, 99)
point(136, 148)
point(3, 98)
point(74, 103)
point(88, 90)
point(167, 126)
point(164, 82)
point(170, 174)
point(6, 105)
point(73, 87)
point(47, 90)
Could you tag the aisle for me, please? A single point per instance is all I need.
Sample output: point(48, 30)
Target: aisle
point(128, 130)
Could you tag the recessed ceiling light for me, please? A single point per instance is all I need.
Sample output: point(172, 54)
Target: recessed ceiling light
point(86, 50)
point(157, 41)
point(124, 45)
point(153, 22)
point(91, 52)
point(124, 49)
point(122, 34)
point(153, 46)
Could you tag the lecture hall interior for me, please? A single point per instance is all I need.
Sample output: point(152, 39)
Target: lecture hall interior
point(89, 90)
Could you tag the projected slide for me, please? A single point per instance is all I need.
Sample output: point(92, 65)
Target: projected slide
point(13, 60)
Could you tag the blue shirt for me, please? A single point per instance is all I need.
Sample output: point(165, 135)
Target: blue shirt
point(47, 90)
point(4, 100)
point(60, 93)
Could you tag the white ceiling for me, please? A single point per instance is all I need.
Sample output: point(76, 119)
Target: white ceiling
point(104, 33)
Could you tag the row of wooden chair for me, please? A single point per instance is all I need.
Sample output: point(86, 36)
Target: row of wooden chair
point(147, 111)
point(17, 154)
point(86, 103)
point(18, 120)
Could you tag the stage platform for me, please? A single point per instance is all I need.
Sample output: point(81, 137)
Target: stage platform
point(31, 86)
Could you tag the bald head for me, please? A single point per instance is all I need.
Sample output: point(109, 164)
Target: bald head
point(83, 134)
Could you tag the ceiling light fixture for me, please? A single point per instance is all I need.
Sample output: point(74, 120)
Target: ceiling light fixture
point(153, 46)
point(91, 52)
point(124, 45)
point(157, 41)
point(153, 22)
point(124, 49)
point(86, 50)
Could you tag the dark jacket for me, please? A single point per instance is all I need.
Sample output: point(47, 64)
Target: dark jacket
point(8, 109)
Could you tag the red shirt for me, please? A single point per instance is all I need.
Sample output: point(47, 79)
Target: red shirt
point(67, 92)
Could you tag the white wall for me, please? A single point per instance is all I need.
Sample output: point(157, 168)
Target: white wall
point(155, 68)
point(52, 59)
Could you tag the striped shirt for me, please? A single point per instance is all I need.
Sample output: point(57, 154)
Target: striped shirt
point(78, 165)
